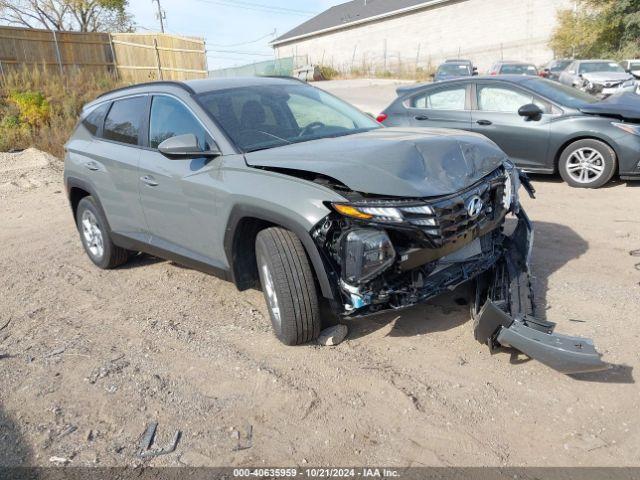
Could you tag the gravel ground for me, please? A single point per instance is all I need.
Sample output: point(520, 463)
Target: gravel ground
point(89, 357)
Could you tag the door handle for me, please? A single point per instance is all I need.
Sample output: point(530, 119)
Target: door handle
point(421, 117)
point(484, 122)
point(93, 166)
point(149, 180)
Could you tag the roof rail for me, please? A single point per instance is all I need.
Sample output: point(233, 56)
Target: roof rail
point(182, 85)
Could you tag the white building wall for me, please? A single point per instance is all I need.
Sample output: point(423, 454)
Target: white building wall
point(481, 30)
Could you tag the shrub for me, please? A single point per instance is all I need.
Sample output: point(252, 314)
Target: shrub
point(39, 108)
point(328, 72)
point(34, 107)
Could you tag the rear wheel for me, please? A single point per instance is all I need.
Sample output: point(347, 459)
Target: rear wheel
point(95, 236)
point(288, 285)
point(587, 164)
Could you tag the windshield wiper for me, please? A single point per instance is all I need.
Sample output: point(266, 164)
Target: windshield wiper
point(275, 136)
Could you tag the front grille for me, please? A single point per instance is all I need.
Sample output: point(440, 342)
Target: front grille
point(450, 219)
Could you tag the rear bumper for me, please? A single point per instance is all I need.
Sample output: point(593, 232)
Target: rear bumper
point(504, 313)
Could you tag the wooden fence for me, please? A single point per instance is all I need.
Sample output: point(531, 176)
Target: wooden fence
point(132, 57)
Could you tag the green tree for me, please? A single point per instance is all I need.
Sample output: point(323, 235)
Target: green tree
point(78, 15)
point(598, 28)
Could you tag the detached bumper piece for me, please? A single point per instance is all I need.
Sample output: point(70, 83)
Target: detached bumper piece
point(504, 313)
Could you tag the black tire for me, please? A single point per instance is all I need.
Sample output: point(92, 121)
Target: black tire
point(608, 163)
point(112, 255)
point(286, 276)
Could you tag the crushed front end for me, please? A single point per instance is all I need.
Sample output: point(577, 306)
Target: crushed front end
point(391, 253)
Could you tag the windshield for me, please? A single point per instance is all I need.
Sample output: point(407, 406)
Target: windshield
point(519, 69)
point(559, 66)
point(560, 94)
point(267, 116)
point(600, 67)
point(454, 69)
point(634, 66)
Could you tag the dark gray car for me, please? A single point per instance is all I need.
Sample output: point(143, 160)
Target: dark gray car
point(543, 126)
point(273, 183)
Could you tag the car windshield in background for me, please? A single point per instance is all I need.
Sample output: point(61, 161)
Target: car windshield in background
point(600, 67)
point(560, 94)
point(559, 66)
point(519, 69)
point(454, 69)
point(261, 117)
point(634, 66)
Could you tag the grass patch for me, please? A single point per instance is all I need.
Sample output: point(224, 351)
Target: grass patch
point(39, 108)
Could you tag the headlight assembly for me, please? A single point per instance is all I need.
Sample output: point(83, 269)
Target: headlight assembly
point(629, 83)
point(380, 212)
point(633, 129)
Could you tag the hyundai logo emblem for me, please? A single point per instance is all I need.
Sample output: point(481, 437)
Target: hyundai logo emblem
point(474, 206)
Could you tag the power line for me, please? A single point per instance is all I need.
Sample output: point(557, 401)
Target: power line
point(271, 34)
point(239, 52)
point(258, 7)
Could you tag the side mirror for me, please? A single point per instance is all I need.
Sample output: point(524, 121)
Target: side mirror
point(531, 111)
point(474, 72)
point(185, 146)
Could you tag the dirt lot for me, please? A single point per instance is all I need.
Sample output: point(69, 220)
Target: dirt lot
point(88, 357)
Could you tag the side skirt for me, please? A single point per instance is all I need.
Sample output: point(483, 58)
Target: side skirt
point(138, 246)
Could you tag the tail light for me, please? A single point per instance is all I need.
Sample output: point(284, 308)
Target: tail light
point(382, 117)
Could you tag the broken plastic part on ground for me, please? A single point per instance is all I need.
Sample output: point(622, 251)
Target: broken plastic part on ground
point(504, 313)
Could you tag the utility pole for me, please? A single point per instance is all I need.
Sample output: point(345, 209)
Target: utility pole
point(160, 15)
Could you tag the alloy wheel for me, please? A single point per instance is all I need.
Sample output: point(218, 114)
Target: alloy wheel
point(585, 165)
point(92, 234)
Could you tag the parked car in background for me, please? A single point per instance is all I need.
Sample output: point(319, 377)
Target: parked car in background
point(543, 126)
point(474, 70)
point(451, 70)
point(598, 77)
point(513, 68)
point(632, 67)
point(553, 69)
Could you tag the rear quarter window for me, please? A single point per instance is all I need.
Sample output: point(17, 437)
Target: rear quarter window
point(93, 120)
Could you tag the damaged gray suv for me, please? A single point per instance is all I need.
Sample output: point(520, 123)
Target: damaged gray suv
point(271, 183)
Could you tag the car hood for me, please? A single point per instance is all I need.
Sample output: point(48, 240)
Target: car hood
point(600, 77)
point(624, 105)
point(401, 162)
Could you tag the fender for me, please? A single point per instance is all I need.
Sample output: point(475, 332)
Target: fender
point(73, 182)
point(240, 212)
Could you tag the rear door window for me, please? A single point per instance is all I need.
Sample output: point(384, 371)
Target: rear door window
point(124, 119)
point(443, 99)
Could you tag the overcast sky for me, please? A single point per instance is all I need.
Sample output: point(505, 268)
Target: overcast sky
point(237, 32)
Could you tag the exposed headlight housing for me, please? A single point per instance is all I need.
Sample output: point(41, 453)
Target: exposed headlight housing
point(365, 254)
point(633, 129)
point(511, 186)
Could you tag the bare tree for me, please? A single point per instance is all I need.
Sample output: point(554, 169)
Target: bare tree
point(78, 15)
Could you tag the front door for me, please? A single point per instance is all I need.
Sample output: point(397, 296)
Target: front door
point(178, 200)
point(524, 140)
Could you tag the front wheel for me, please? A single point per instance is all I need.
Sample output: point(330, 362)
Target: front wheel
point(288, 285)
point(587, 164)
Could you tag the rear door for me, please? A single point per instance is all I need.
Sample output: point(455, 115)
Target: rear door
point(112, 164)
point(446, 106)
point(524, 140)
point(178, 195)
